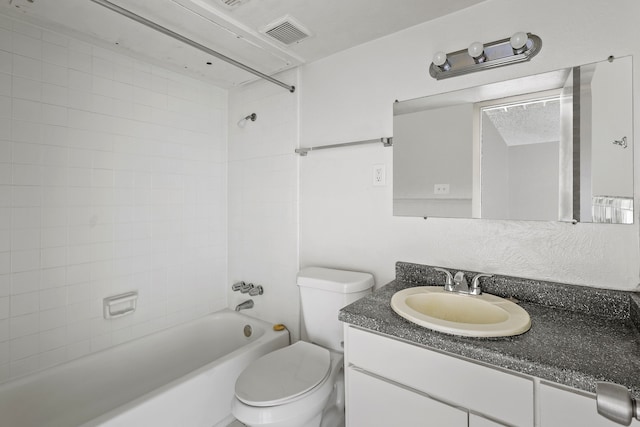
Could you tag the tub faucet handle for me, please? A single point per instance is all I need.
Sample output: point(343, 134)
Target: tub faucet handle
point(237, 286)
point(246, 288)
point(257, 290)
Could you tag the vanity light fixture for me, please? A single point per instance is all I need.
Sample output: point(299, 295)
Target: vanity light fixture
point(518, 48)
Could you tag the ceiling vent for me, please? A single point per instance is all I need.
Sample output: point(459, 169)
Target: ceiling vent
point(287, 31)
point(232, 4)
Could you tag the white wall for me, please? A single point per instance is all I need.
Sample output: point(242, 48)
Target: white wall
point(112, 179)
point(533, 181)
point(611, 119)
point(263, 199)
point(495, 177)
point(346, 222)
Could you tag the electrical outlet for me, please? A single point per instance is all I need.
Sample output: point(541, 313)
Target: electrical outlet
point(379, 175)
point(441, 189)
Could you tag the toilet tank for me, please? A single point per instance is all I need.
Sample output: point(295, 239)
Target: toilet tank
point(323, 292)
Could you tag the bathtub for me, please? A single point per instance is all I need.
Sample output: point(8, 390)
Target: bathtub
point(183, 376)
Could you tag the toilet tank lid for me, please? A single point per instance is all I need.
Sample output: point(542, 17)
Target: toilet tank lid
point(332, 280)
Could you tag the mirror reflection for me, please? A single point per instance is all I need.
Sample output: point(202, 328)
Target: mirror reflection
point(552, 147)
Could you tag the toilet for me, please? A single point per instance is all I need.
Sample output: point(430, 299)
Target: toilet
point(302, 385)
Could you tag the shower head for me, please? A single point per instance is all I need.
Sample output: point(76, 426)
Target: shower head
point(243, 121)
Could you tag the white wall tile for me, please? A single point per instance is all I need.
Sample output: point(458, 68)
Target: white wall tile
point(26, 281)
point(80, 61)
point(6, 85)
point(92, 181)
point(28, 111)
point(25, 238)
point(5, 310)
point(5, 106)
point(23, 325)
point(5, 262)
point(4, 336)
point(27, 46)
point(54, 94)
point(27, 67)
point(55, 38)
point(25, 260)
point(5, 39)
point(24, 366)
point(23, 28)
point(27, 174)
point(55, 54)
point(52, 357)
point(24, 347)
point(51, 319)
point(54, 115)
point(25, 304)
point(55, 74)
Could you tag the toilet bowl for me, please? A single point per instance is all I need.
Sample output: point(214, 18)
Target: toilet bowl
point(292, 387)
point(303, 385)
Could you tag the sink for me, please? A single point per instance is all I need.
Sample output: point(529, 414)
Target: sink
point(482, 315)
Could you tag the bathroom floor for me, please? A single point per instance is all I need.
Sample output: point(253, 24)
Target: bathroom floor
point(236, 424)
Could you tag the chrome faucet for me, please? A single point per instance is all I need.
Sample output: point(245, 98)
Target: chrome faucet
point(458, 283)
point(245, 305)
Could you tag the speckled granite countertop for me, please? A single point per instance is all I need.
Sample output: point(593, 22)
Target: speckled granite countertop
point(579, 335)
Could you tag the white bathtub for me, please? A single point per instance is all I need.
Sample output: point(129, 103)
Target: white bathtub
point(183, 376)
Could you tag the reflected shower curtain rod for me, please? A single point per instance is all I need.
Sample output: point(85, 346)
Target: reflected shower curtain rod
point(183, 39)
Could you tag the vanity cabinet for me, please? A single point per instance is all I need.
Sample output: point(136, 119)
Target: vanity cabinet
point(395, 383)
point(383, 375)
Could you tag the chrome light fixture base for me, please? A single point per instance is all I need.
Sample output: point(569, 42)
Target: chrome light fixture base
point(496, 54)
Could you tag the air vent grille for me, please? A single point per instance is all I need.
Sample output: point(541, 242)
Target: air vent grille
point(232, 4)
point(287, 31)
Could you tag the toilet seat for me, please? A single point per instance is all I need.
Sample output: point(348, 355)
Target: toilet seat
point(284, 375)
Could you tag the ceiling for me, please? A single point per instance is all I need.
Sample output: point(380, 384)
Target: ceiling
point(527, 123)
point(233, 30)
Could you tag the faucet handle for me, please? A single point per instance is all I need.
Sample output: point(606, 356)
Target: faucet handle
point(237, 286)
point(448, 284)
point(246, 288)
point(258, 290)
point(475, 283)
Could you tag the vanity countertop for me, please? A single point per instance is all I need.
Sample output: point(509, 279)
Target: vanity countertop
point(576, 340)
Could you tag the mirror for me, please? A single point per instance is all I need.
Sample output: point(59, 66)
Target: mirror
point(556, 146)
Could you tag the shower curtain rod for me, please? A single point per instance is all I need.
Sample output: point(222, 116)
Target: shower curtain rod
point(183, 39)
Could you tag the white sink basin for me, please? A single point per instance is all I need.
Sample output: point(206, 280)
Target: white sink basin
point(460, 314)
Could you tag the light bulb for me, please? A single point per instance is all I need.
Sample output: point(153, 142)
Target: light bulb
point(476, 49)
point(439, 58)
point(519, 40)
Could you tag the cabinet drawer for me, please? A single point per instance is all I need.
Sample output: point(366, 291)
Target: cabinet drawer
point(502, 396)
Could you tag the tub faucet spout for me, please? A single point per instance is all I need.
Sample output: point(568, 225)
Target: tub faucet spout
point(245, 305)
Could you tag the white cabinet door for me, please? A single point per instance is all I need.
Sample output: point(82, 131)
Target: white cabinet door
point(374, 402)
point(560, 407)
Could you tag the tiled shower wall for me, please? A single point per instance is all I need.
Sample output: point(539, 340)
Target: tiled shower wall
point(112, 179)
point(263, 198)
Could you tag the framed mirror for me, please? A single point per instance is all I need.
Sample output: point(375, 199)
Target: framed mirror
point(556, 146)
